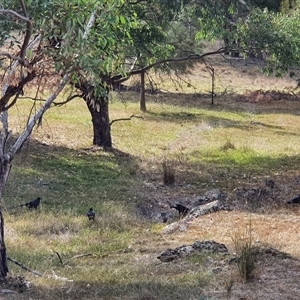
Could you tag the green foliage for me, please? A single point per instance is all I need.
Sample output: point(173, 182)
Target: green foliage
point(275, 35)
point(161, 33)
point(62, 26)
point(287, 5)
point(217, 19)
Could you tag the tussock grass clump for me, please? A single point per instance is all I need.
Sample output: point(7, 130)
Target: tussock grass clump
point(116, 217)
point(246, 253)
point(227, 146)
point(168, 173)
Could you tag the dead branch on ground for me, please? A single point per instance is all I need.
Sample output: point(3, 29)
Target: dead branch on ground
point(125, 119)
point(24, 267)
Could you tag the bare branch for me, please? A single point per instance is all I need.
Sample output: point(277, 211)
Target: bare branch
point(54, 276)
point(12, 12)
point(133, 64)
point(24, 267)
point(34, 120)
point(15, 65)
point(81, 255)
point(69, 99)
point(59, 257)
point(11, 56)
point(22, 58)
point(174, 60)
point(119, 78)
point(136, 2)
point(25, 43)
point(125, 119)
point(27, 35)
point(23, 8)
point(15, 91)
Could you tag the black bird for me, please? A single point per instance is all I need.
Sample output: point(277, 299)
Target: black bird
point(182, 210)
point(32, 204)
point(294, 200)
point(91, 214)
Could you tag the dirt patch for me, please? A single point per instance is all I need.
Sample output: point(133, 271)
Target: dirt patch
point(259, 205)
point(274, 279)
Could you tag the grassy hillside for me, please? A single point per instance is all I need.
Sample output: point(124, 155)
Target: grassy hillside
point(230, 145)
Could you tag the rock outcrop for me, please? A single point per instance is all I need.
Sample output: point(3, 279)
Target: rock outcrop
point(197, 247)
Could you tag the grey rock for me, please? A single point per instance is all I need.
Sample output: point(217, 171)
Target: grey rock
point(212, 195)
point(197, 247)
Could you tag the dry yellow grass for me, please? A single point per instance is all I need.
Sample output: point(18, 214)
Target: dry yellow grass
point(187, 131)
point(278, 229)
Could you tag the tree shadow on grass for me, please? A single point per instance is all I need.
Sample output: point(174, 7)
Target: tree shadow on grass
point(230, 103)
point(142, 290)
point(68, 178)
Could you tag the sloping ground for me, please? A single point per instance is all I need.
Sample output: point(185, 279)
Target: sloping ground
point(273, 224)
point(275, 277)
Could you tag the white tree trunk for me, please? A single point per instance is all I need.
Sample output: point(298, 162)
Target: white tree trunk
point(7, 154)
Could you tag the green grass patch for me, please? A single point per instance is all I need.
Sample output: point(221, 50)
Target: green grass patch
point(207, 147)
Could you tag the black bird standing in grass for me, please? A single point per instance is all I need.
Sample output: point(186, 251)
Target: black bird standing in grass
point(91, 214)
point(182, 210)
point(294, 200)
point(32, 204)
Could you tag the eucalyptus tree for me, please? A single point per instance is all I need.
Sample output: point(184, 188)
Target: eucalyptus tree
point(167, 34)
point(47, 45)
point(147, 45)
point(164, 41)
point(277, 35)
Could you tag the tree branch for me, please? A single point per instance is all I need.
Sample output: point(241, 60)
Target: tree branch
point(24, 267)
point(12, 12)
point(27, 35)
point(119, 78)
point(11, 56)
point(23, 8)
point(39, 114)
point(125, 119)
point(174, 60)
point(54, 276)
point(136, 2)
point(15, 91)
point(59, 257)
point(81, 255)
point(22, 57)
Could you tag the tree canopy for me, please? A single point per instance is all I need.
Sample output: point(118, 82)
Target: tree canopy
point(51, 43)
